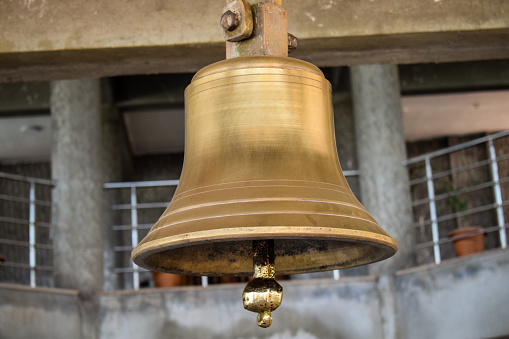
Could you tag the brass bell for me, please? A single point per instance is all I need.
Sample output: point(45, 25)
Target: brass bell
point(261, 164)
point(261, 188)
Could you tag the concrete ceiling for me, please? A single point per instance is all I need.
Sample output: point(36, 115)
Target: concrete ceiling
point(155, 131)
point(25, 138)
point(44, 40)
point(161, 130)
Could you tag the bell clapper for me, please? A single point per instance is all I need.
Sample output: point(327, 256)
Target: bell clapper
point(263, 294)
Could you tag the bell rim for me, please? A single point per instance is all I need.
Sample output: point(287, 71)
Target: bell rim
point(387, 245)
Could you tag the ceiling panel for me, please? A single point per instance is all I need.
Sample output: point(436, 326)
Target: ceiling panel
point(439, 115)
point(25, 138)
point(155, 131)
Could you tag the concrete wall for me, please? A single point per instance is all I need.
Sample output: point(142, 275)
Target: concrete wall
point(311, 309)
point(461, 298)
point(38, 313)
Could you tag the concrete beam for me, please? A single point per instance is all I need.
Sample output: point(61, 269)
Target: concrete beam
point(51, 39)
point(453, 77)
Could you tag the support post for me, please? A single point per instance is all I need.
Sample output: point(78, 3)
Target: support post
point(78, 196)
point(77, 220)
point(32, 236)
point(433, 211)
point(497, 194)
point(384, 184)
point(381, 149)
point(134, 235)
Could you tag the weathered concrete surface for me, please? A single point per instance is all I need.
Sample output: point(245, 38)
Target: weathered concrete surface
point(51, 39)
point(383, 179)
point(76, 165)
point(460, 298)
point(381, 151)
point(39, 313)
point(29, 96)
point(311, 309)
point(453, 77)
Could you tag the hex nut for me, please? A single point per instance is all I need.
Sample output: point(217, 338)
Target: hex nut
point(292, 43)
point(229, 21)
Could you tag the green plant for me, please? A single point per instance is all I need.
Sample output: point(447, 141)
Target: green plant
point(455, 202)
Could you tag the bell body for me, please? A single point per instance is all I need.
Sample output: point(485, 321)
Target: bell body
point(261, 163)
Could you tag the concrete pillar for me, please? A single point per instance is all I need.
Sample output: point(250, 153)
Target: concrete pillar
point(385, 189)
point(78, 195)
point(381, 150)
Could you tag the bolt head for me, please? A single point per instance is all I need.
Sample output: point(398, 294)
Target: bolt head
point(292, 43)
point(229, 21)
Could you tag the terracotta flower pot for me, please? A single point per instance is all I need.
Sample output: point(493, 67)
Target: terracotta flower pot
point(468, 240)
point(167, 279)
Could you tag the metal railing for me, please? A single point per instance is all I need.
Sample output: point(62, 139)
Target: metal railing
point(32, 223)
point(134, 225)
point(433, 198)
point(134, 206)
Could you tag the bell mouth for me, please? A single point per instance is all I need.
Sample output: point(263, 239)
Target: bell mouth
point(228, 252)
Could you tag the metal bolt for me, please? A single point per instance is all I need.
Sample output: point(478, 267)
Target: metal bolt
point(292, 43)
point(229, 21)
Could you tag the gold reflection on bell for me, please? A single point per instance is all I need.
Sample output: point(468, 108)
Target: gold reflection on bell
point(261, 163)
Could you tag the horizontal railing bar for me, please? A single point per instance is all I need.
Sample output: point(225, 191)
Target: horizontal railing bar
point(448, 240)
point(416, 181)
point(502, 157)
point(452, 171)
point(467, 212)
point(130, 227)
point(14, 242)
point(24, 200)
point(27, 266)
point(24, 222)
point(42, 224)
point(351, 173)
point(25, 244)
point(44, 246)
point(459, 214)
point(14, 221)
point(456, 147)
point(154, 183)
point(129, 270)
point(122, 248)
point(140, 206)
point(457, 170)
point(452, 193)
point(27, 179)
point(461, 169)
